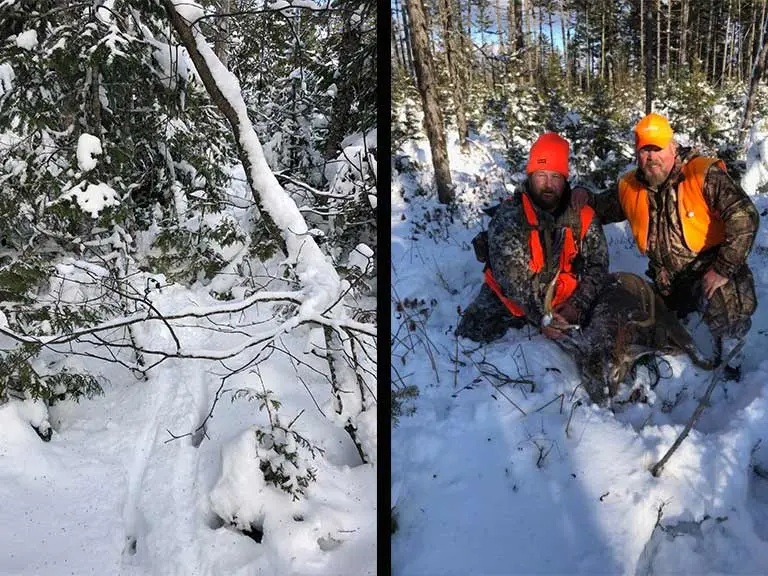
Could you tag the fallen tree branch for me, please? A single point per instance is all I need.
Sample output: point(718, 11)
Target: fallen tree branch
point(703, 403)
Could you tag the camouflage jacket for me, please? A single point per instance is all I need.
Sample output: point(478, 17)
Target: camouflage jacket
point(669, 259)
point(509, 255)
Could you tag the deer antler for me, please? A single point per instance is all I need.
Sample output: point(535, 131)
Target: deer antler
point(648, 292)
point(548, 297)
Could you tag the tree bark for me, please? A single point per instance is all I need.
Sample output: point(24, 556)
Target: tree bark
point(649, 72)
point(512, 34)
point(751, 42)
point(754, 82)
point(589, 47)
point(454, 59)
point(737, 45)
point(499, 24)
point(683, 56)
point(602, 40)
point(658, 39)
point(433, 118)
point(222, 31)
point(564, 35)
point(395, 49)
point(643, 26)
point(408, 44)
point(669, 39)
point(725, 44)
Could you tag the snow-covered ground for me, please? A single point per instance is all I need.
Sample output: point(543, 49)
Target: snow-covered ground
point(113, 492)
point(505, 467)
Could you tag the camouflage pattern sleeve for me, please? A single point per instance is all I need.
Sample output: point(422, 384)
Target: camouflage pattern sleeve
point(739, 215)
point(607, 207)
point(594, 252)
point(508, 255)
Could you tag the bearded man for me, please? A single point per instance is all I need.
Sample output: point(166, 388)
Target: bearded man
point(545, 261)
point(695, 224)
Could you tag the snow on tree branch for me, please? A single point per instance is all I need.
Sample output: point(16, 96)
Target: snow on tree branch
point(319, 279)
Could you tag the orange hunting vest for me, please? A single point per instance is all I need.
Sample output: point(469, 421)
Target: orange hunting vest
point(567, 281)
point(702, 229)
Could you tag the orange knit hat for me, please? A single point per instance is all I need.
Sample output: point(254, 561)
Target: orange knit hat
point(549, 152)
point(653, 130)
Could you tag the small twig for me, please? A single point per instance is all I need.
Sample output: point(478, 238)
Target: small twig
point(510, 400)
point(559, 396)
point(496, 387)
point(660, 515)
point(294, 420)
point(567, 425)
point(456, 349)
point(467, 387)
point(573, 393)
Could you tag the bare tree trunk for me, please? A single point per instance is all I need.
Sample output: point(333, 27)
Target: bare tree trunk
point(455, 65)
point(499, 24)
point(525, 19)
point(762, 29)
point(734, 42)
point(750, 61)
point(589, 49)
point(395, 48)
point(683, 56)
point(564, 35)
point(602, 40)
point(551, 32)
point(433, 117)
point(642, 36)
point(696, 38)
point(222, 31)
point(542, 57)
point(535, 39)
point(658, 39)
point(711, 44)
point(754, 82)
point(649, 72)
point(725, 44)
point(669, 38)
point(512, 35)
point(408, 44)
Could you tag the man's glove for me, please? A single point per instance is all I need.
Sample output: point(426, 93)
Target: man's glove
point(480, 244)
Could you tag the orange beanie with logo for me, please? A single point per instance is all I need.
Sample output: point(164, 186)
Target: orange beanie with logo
point(549, 152)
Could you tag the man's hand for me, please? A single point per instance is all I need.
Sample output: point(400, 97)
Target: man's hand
point(579, 197)
point(711, 282)
point(556, 327)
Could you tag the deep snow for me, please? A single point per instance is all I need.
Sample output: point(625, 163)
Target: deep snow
point(478, 487)
point(114, 493)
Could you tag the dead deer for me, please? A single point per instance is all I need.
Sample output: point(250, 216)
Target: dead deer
point(628, 321)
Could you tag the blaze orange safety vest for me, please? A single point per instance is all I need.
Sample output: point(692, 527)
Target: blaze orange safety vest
point(702, 228)
point(566, 281)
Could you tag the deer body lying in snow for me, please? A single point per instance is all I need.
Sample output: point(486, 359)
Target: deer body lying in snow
point(628, 321)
